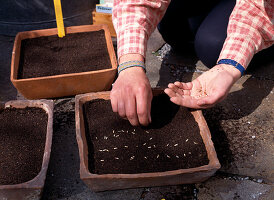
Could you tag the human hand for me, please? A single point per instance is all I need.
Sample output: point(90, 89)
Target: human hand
point(131, 96)
point(205, 91)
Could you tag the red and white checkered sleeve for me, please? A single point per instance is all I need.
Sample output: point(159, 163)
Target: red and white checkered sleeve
point(134, 21)
point(250, 30)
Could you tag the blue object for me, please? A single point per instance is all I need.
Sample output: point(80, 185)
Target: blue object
point(233, 63)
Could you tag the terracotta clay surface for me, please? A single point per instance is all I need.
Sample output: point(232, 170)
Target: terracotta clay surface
point(64, 84)
point(121, 181)
point(31, 189)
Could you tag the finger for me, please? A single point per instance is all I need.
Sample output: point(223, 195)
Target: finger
point(149, 107)
point(184, 86)
point(142, 108)
point(170, 92)
point(210, 101)
point(114, 102)
point(187, 86)
point(179, 84)
point(175, 88)
point(172, 86)
point(121, 108)
point(131, 111)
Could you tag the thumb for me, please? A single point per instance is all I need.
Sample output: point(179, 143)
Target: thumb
point(208, 100)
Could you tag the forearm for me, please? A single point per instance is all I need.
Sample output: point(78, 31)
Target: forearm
point(250, 30)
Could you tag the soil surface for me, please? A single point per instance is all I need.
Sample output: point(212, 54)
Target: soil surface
point(74, 53)
point(22, 143)
point(172, 141)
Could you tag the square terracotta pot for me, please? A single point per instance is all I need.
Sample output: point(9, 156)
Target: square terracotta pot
point(64, 84)
point(31, 189)
point(121, 181)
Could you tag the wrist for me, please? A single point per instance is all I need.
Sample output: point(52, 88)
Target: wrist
point(131, 57)
point(232, 71)
point(233, 63)
point(132, 71)
point(132, 60)
point(131, 64)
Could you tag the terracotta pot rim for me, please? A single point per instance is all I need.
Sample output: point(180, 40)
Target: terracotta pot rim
point(86, 174)
point(64, 75)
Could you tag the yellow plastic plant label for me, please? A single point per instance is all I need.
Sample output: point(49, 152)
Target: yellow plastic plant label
point(59, 18)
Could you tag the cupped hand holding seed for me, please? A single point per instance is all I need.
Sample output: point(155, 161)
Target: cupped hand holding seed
point(131, 95)
point(205, 91)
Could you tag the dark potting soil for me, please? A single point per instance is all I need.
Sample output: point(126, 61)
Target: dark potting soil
point(172, 141)
point(74, 53)
point(22, 144)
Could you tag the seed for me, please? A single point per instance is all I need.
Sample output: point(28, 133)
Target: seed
point(184, 155)
point(96, 138)
point(100, 150)
point(175, 145)
point(102, 160)
point(149, 147)
point(154, 146)
point(105, 137)
point(115, 148)
point(132, 157)
point(186, 140)
point(126, 146)
point(117, 136)
point(150, 138)
point(189, 152)
point(134, 130)
point(105, 149)
point(136, 145)
point(168, 156)
point(116, 158)
point(127, 131)
point(167, 145)
point(113, 131)
point(144, 144)
point(158, 156)
point(145, 157)
point(147, 132)
point(177, 156)
point(195, 142)
point(133, 133)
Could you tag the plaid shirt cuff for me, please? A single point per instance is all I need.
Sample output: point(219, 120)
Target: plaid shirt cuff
point(132, 40)
point(239, 49)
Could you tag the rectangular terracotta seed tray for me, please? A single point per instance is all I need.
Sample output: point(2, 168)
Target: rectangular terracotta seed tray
point(31, 189)
point(63, 84)
point(103, 182)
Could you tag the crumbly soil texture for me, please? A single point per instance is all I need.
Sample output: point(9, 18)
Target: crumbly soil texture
point(22, 144)
point(74, 53)
point(172, 141)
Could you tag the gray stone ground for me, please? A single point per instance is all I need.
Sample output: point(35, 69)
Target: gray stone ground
point(241, 128)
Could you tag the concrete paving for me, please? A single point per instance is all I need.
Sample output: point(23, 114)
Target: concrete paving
point(241, 128)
